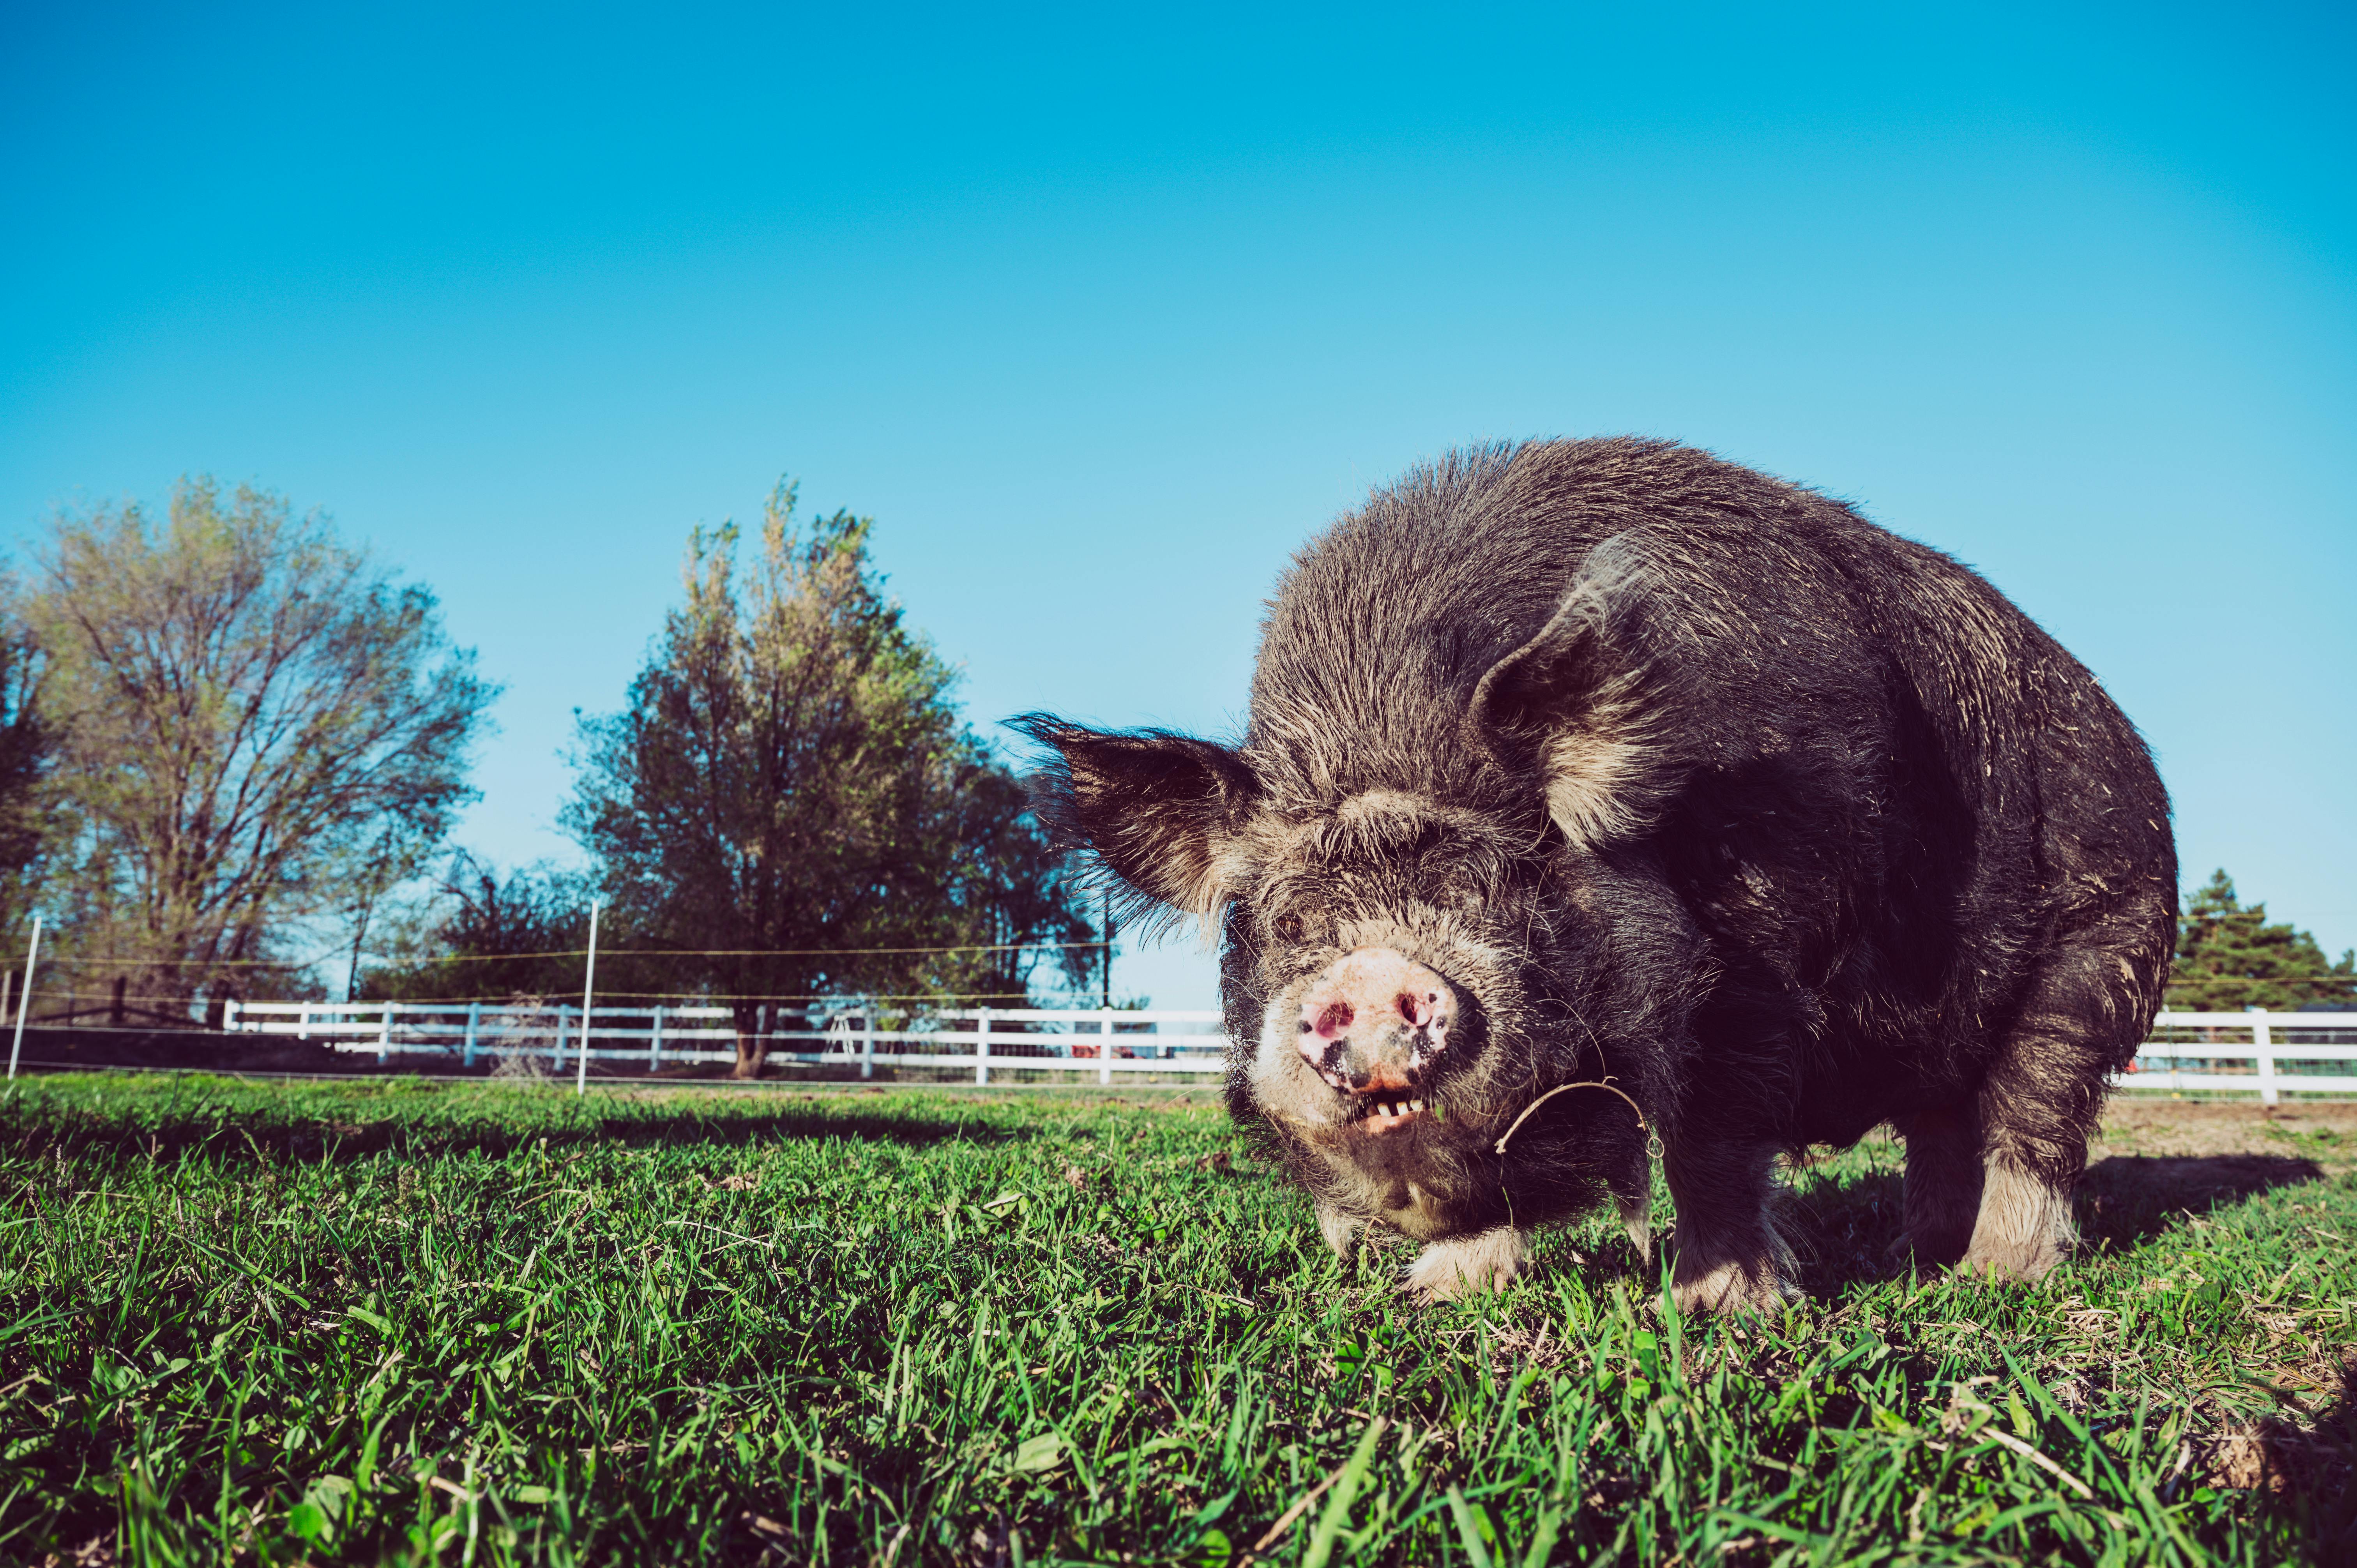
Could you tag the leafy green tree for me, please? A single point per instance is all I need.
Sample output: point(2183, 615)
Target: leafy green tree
point(2230, 958)
point(478, 935)
point(254, 726)
point(790, 802)
point(27, 817)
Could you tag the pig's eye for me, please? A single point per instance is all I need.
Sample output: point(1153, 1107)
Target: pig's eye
point(1287, 928)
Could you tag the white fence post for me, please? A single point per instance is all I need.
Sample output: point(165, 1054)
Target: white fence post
point(981, 1046)
point(229, 1015)
point(588, 995)
point(303, 1022)
point(474, 1033)
point(867, 1044)
point(564, 1022)
point(2263, 1042)
point(384, 1036)
point(654, 1041)
point(1105, 1045)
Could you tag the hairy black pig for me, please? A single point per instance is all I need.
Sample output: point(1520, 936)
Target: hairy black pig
point(1578, 761)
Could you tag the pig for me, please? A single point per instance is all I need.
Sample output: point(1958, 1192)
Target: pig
point(1602, 800)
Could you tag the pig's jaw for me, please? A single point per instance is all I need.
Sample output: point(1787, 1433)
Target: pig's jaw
point(1381, 1118)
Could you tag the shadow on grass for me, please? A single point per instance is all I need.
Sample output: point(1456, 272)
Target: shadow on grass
point(2305, 1473)
point(2126, 1200)
point(1849, 1230)
point(243, 1141)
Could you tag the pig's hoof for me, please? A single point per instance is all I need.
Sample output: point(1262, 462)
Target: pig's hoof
point(1732, 1287)
point(1449, 1270)
point(2023, 1229)
point(2003, 1261)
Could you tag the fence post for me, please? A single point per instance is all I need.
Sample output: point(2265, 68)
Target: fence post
point(2263, 1042)
point(228, 1014)
point(981, 1046)
point(564, 1022)
point(867, 1044)
point(303, 1022)
point(384, 1036)
point(654, 1041)
point(474, 1031)
point(25, 998)
point(1105, 1045)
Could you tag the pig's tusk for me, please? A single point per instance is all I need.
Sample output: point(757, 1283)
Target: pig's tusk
point(1652, 1141)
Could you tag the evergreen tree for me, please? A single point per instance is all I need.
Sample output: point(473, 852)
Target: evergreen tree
point(2230, 958)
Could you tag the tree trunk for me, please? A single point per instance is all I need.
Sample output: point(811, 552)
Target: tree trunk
point(753, 1042)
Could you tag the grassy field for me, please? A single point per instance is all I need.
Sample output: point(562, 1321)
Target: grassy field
point(481, 1324)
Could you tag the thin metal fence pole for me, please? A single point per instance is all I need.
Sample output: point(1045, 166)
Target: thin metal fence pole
point(588, 991)
point(25, 998)
point(2263, 1044)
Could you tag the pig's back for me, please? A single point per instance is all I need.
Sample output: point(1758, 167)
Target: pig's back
point(1912, 780)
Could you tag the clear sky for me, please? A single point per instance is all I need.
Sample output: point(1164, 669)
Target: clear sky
point(1102, 313)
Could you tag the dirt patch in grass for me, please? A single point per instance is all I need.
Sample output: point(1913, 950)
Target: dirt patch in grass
point(2325, 1131)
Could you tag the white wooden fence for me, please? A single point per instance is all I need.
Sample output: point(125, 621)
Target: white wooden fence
point(1097, 1041)
point(2271, 1042)
point(2188, 1050)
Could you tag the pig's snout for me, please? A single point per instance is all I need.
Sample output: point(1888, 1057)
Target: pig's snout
point(1374, 1022)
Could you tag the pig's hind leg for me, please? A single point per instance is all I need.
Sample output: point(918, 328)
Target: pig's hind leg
point(1729, 1256)
point(2042, 1098)
point(1945, 1169)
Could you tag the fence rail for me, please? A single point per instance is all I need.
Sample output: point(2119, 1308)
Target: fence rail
point(2294, 1051)
point(2285, 1050)
point(1104, 1041)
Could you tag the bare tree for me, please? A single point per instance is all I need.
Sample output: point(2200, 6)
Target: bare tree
point(253, 724)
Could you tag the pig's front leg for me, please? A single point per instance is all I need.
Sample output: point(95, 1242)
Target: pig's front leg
point(1468, 1265)
point(1340, 1230)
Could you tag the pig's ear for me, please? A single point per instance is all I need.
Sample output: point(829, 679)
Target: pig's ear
point(1164, 812)
point(1574, 700)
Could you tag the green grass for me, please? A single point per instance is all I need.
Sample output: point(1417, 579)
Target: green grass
point(265, 1323)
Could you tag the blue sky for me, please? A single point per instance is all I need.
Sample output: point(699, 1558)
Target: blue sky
point(1102, 314)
